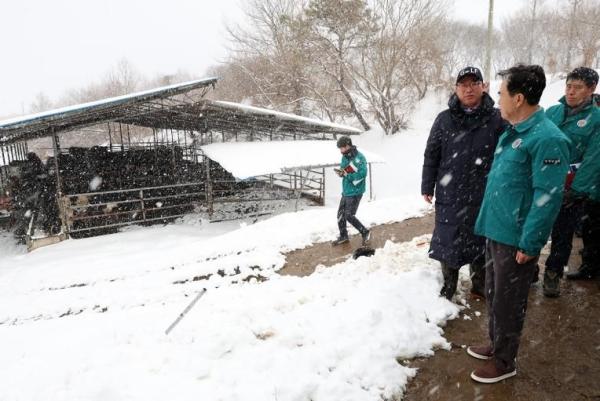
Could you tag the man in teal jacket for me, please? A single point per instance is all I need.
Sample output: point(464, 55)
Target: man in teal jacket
point(522, 199)
point(353, 170)
point(578, 116)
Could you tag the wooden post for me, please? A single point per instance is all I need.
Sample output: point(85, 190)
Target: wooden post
point(209, 188)
point(59, 194)
point(323, 192)
point(142, 205)
point(121, 136)
point(109, 138)
point(2, 171)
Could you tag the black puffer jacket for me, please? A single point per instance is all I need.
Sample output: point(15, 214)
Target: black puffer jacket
point(458, 157)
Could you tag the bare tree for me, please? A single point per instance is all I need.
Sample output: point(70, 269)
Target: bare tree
point(340, 29)
point(40, 103)
point(402, 60)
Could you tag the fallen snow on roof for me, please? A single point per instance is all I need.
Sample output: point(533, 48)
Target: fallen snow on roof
point(107, 101)
point(251, 159)
point(285, 116)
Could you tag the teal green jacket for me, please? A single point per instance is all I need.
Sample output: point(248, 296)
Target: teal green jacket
point(355, 183)
point(525, 185)
point(583, 129)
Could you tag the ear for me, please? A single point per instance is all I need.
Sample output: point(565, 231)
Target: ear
point(519, 99)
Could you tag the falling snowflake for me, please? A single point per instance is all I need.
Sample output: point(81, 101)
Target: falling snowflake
point(95, 183)
point(446, 179)
point(542, 200)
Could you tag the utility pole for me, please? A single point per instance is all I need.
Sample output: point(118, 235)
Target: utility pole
point(532, 33)
point(571, 33)
point(488, 53)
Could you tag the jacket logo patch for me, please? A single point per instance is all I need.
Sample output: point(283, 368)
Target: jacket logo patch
point(581, 123)
point(552, 161)
point(517, 143)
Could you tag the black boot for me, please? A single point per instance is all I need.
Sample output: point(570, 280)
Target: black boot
point(584, 273)
point(551, 286)
point(450, 281)
point(477, 273)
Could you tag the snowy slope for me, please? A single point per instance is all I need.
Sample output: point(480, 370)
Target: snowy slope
point(85, 319)
point(334, 335)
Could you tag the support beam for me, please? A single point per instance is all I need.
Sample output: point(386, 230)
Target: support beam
point(59, 193)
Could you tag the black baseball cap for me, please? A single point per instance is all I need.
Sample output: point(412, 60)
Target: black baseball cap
point(470, 71)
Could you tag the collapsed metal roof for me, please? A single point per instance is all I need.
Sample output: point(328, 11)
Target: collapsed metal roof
point(178, 107)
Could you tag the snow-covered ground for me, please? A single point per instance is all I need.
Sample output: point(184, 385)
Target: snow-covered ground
point(85, 319)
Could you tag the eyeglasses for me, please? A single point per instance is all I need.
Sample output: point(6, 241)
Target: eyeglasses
point(466, 85)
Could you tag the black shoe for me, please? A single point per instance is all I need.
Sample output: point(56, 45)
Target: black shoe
point(340, 241)
point(584, 273)
point(551, 287)
point(366, 237)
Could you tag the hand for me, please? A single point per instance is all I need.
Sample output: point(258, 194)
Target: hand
point(428, 198)
point(522, 258)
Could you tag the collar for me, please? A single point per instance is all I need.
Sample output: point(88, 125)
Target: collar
point(530, 121)
point(583, 106)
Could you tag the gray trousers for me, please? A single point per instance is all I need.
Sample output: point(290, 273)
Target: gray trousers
point(346, 213)
point(507, 287)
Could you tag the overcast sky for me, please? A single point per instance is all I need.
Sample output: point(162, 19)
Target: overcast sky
point(51, 46)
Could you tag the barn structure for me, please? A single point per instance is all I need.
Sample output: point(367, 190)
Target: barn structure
point(173, 168)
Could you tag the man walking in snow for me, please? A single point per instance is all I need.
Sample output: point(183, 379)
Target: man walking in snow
point(522, 199)
point(578, 117)
point(353, 170)
point(458, 157)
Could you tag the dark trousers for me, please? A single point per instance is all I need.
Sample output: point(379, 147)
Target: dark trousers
point(347, 212)
point(590, 234)
point(562, 235)
point(507, 286)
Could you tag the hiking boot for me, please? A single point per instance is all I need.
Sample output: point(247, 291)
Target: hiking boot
point(477, 274)
point(484, 352)
point(551, 287)
point(584, 273)
point(450, 281)
point(340, 240)
point(366, 237)
point(489, 373)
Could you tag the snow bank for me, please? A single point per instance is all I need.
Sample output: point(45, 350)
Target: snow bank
point(334, 335)
point(111, 266)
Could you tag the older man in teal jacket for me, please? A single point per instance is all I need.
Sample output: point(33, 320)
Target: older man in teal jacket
point(522, 198)
point(578, 116)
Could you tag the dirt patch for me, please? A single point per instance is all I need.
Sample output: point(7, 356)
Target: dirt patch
point(303, 261)
point(559, 357)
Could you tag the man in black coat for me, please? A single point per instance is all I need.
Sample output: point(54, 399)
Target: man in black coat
point(458, 157)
